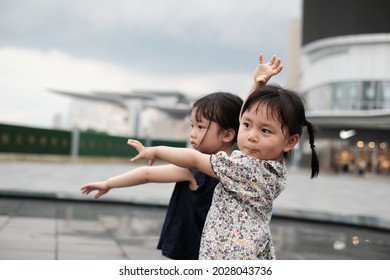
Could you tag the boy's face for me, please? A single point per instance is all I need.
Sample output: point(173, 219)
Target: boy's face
point(261, 136)
point(205, 136)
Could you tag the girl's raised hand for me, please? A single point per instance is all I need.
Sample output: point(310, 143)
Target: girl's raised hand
point(264, 71)
point(143, 152)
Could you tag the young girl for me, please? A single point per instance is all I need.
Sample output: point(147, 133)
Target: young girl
point(214, 122)
point(237, 225)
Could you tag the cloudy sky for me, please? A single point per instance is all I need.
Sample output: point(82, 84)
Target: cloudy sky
point(192, 46)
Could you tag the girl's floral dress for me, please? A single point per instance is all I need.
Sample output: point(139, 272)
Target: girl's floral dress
point(237, 225)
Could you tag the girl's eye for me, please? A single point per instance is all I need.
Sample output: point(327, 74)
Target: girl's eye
point(197, 126)
point(264, 130)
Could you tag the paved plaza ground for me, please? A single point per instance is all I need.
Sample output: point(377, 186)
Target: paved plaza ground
point(43, 215)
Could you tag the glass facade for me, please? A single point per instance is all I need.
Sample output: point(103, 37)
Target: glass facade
point(361, 157)
point(356, 95)
point(357, 153)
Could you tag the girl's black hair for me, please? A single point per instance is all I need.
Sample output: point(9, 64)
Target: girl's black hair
point(220, 107)
point(287, 107)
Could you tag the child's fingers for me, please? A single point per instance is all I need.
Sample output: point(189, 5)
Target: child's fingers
point(193, 186)
point(272, 60)
point(85, 190)
point(134, 143)
point(137, 157)
point(261, 59)
point(277, 62)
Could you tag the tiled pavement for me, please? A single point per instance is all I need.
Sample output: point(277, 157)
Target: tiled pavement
point(60, 227)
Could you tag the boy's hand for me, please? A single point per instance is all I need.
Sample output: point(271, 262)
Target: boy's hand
point(143, 152)
point(264, 71)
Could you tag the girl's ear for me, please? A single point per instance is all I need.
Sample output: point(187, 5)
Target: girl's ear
point(291, 142)
point(228, 135)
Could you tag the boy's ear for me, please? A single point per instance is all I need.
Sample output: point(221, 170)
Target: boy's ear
point(228, 135)
point(291, 142)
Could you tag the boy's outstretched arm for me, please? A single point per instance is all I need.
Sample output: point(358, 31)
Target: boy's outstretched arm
point(183, 157)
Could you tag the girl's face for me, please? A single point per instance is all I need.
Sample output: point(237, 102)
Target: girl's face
point(206, 136)
point(261, 136)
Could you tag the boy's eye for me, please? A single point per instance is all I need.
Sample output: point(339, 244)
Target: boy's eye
point(246, 124)
point(264, 130)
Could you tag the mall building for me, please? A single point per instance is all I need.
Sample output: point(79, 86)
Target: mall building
point(345, 77)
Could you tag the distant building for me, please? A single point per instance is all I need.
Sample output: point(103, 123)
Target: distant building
point(345, 76)
point(144, 114)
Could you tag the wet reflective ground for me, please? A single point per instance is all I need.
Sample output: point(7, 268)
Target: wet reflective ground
point(53, 229)
point(304, 240)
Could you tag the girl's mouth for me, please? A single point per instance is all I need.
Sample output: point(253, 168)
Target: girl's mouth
point(194, 145)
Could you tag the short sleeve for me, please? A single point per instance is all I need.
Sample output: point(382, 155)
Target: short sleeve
point(222, 167)
point(246, 176)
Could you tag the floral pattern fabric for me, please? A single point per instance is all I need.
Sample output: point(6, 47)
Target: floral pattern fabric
point(237, 225)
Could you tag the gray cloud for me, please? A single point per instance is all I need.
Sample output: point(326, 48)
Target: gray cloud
point(165, 35)
point(194, 46)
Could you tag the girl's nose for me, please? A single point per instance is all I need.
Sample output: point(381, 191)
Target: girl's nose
point(252, 136)
point(192, 133)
